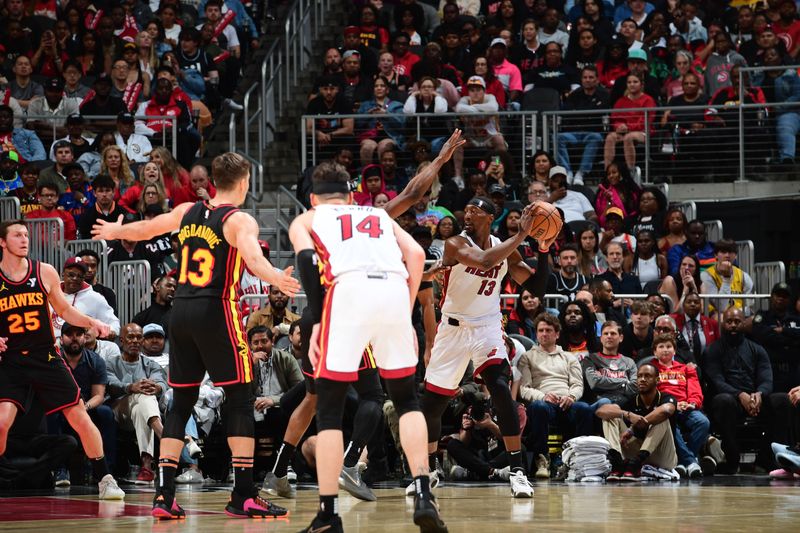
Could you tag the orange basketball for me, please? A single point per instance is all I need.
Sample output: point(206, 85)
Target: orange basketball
point(546, 222)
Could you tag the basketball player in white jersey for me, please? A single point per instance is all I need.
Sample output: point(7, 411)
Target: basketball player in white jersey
point(471, 326)
point(372, 270)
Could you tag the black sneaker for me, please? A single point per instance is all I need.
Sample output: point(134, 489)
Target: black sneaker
point(166, 508)
point(253, 507)
point(334, 525)
point(426, 516)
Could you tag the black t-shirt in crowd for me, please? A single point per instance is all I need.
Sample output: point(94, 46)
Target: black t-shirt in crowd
point(199, 61)
point(317, 106)
point(637, 406)
point(684, 118)
point(112, 107)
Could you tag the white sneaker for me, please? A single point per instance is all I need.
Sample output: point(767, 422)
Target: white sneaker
point(109, 490)
point(714, 446)
point(694, 471)
point(542, 467)
point(435, 482)
point(458, 473)
point(578, 179)
point(520, 486)
point(570, 178)
point(291, 475)
point(279, 486)
point(189, 476)
point(195, 452)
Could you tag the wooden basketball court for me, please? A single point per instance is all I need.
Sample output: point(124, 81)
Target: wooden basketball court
point(738, 503)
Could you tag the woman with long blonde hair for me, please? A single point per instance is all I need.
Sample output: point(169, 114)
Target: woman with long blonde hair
point(150, 194)
point(149, 173)
point(148, 60)
point(115, 164)
point(175, 177)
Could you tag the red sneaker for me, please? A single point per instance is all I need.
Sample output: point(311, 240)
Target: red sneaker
point(145, 475)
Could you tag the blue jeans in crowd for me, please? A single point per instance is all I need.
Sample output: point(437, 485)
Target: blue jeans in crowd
point(592, 142)
point(787, 128)
point(691, 434)
point(191, 431)
point(103, 417)
point(541, 414)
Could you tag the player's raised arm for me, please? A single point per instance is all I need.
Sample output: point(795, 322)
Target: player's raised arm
point(52, 283)
point(421, 183)
point(241, 231)
point(144, 229)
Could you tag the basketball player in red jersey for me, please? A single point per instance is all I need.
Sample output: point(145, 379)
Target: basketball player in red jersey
point(471, 326)
point(216, 242)
point(28, 350)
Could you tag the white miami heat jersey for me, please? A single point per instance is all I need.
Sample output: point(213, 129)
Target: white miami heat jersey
point(353, 238)
point(472, 295)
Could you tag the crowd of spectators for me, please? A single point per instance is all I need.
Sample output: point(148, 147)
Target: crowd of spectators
point(700, 363)
point(610, 60)
point(92, 95)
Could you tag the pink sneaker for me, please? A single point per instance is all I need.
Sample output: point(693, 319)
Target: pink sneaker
point(780, 473)
point(163, 511)
point(255, 507)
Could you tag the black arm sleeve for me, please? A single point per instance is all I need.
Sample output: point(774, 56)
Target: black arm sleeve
point(536, 284)
point(309, 276)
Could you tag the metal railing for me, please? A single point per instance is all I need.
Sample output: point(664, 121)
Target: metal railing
point(100, 247)
point(689, 209)
point(10, 208)
point(766, 275)
point(746, 256)
point(170, 118)
point(286, 208)
point(46, 241)
point(754, 153)
point(713, 230)
point(518, 128)
point(130, 281)
point(288, 56)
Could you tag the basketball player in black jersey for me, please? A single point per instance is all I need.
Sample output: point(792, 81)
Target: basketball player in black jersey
point(29, 357)
point(206, 330)
point(368, 385)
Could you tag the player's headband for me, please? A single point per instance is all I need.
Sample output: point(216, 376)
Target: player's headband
point(327, 187)
point(483, 204)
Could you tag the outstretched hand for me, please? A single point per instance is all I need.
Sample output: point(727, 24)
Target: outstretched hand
point(103, 229)
point(286, 283)
point(103, 330)
point(527, 219)
point(449, 148)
